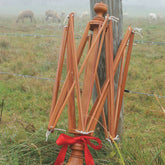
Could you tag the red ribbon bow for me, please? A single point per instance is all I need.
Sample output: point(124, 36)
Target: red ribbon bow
point(66, 140)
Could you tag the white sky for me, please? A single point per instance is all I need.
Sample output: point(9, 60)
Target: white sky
point(135, 7)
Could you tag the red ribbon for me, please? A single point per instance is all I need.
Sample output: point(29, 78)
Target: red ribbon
point(66, 140)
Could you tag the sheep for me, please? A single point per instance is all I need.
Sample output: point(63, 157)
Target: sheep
point(52, 14)
point(152, 17)
point(138, 29)
point(125, 14)
point(25, 14)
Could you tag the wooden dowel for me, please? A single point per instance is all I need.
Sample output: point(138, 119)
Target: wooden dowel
point(89, 78)
point(71, 100)
point(82, 43)
point(81, 124)
point(89, 41)
point(96, 111)
point(98, 97)
point(121, 48)
point(63, 105)
point(59, 69)
point(111, 114)
point(102, 112)
point(119, 85)
point(59, 101)
point(124, 77)
point(107, 61)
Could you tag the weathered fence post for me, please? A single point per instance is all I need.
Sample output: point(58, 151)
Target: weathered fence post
point(114, 9)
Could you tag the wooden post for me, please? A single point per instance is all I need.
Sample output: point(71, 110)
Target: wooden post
point(114, 9)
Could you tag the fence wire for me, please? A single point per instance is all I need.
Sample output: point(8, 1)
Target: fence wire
point(77, 37)
point(43, 78)
point(58, 36)
point(32, 35)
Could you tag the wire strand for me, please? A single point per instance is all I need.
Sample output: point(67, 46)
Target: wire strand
point(58, 36)
point(50, 79)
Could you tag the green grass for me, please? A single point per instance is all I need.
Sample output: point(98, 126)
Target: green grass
point(27, 100)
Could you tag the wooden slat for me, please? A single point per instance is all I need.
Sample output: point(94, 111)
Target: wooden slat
point(110, 69)
point(89, 41)
point(59, 102)
point(124, 77)
point(63, 105)
point(119, 85)
point(71, 100)
point(89, 78)
point(97, 108)
point(81, 124)
point(59, 69)
point(82, 43)
point(121, 48)
point(102, 112)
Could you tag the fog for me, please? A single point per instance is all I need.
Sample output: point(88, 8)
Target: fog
point(143, 7)
point(132, 7)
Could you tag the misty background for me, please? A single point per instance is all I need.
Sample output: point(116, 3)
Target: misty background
point(132, 7)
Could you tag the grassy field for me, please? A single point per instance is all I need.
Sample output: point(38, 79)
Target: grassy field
point(27, 101)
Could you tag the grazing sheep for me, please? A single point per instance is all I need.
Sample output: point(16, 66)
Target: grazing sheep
point(125, 14)
point(25, 14)
point(52, 14)
point(152, 17)
point(138, 29)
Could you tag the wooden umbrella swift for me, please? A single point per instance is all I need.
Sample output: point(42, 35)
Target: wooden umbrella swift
point(83, 124)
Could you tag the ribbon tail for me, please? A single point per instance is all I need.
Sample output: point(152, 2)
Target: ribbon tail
point(88, 157)
point(61, 156)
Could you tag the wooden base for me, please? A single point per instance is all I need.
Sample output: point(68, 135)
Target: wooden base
point(76, 157)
